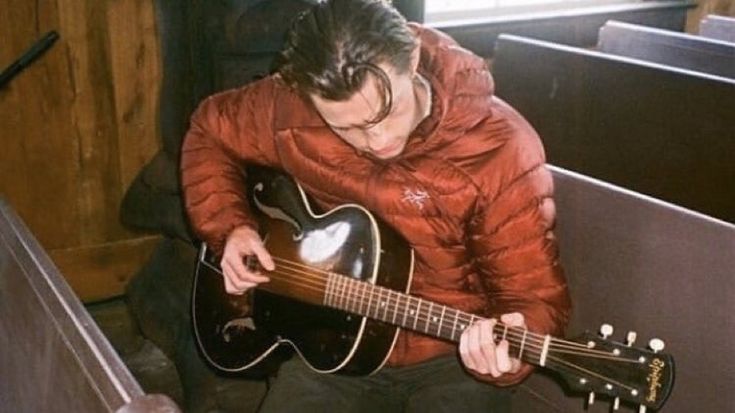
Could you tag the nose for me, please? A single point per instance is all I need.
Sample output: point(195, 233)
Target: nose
point(378, 139)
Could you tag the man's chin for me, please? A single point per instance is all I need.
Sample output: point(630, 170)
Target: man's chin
point(390, 153)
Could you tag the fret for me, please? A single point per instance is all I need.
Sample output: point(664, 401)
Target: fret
point(386, 302)
point(325, 301)
point(407, 306)
point(375, 292)
point(328, 291)
point(441, 321)
point(454, 325)
point(363, 287)
point(350, 295)
point(473, 318)
point(418, 312)
point(378, 294)
point(395, 308)
point(505, 331)
point(463, 326)
point(523, 343)
point(428, 317)
point(357, 289)
point(339, 287)
point(346, 291)
point(369, 303)
point(544, 351)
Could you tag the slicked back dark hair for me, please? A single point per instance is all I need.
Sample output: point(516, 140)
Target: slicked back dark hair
point(332, 47)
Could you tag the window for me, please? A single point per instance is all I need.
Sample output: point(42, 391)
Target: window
point(438, 11)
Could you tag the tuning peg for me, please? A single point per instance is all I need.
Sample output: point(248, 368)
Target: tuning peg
point(591, 399)
point(631, 338)
point(642, 409)
point(606, 330)
point(656, 344)
point(616, 403)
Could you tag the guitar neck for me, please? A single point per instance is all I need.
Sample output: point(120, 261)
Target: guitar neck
point(427, 317)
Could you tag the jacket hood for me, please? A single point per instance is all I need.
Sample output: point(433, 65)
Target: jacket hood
point(462, 91)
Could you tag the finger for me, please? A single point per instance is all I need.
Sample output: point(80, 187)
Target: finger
point(488, 347)
point(515, 365)
point(232, 284)
point(243, 274)
point(239, 283)
point(513, 319)
point(264, 257)
point(236, 265)
point(477, 350)
point(229, 287)
point(472, 349)
point(503, 362)
point(464, 351)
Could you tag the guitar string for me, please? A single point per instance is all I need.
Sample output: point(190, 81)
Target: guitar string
point(392, 304)
point(535, 351)
point(321, 284)
point(466, 318)
point(318, 283)
point(515, 331)
point(591, 373)
point(567, 344)
point(551, 360)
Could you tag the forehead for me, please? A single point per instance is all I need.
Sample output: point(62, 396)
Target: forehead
point(364, 105)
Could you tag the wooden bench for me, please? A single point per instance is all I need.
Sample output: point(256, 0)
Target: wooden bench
point(667, 47)
point(644, 265)
point(718, 27)
point(53, 357)
point(658, 130)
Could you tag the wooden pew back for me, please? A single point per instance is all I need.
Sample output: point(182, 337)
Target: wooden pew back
point(658, 130)
point(644, 265)
point(667, 47)
point(53, 357)
point(718, 27)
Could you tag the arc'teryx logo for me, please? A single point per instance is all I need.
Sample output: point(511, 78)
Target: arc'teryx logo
point(416, 197)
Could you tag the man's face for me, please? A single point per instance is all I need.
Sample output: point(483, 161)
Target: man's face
point(350, 119)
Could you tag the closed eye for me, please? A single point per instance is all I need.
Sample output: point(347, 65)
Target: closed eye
point(365, 126)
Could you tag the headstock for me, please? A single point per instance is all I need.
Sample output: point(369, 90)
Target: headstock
point(595, 364)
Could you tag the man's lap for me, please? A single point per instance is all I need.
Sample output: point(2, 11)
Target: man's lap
point(438, 385)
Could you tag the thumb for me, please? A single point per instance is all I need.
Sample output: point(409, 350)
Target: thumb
point(264, 257)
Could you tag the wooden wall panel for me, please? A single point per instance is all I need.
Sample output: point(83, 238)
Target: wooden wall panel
point(35, 129)
point(84, 27)
point(76, 126)
point(136, 73)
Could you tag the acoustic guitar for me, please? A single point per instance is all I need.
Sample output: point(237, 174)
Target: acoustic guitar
point(340, 294)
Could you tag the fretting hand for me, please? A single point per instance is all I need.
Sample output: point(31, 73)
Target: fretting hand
point(479, 352)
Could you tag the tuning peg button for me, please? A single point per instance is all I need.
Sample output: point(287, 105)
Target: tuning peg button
point(616, 403)
point(591, 399)
point(606, 330)
point(631, 338)
point(656, 345)
point(642, 409)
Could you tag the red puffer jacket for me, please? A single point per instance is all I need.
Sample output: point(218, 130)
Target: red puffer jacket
point(470, 193)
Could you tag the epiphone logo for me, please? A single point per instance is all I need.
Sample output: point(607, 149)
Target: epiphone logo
point(654, 378)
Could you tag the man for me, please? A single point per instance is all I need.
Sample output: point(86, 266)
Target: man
point(369, 109)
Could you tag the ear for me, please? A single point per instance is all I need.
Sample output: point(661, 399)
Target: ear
point(415, 57)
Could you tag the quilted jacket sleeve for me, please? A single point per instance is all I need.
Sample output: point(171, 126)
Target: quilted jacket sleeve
point(227, 131)
point(512, 237)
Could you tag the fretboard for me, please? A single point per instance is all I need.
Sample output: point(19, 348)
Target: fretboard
point(424, 316)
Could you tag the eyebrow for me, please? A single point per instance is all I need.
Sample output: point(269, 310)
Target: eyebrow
point(365, 125)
